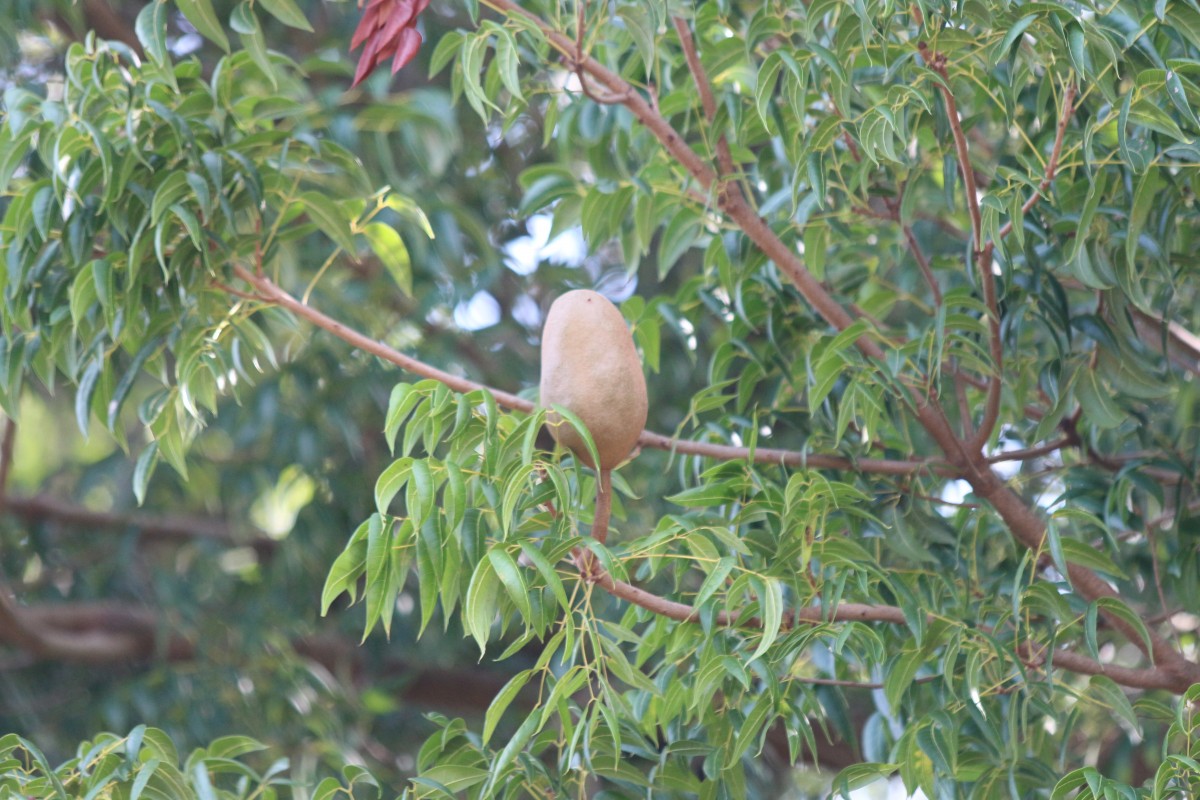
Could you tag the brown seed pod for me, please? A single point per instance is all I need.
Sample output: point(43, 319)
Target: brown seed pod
point(590, 367)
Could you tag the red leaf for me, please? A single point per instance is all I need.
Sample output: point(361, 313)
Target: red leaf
point(366, 26)
point(406, 48)
point(388, 30)
point(368, 61)
point(400, 18)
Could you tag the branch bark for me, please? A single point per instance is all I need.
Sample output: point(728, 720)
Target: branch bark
point(159, 527)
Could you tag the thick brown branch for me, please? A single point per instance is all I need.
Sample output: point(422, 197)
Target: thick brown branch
point(68, 635)
point(1179, 344)
point(100, 634)
point(1030, 531)
point(1126, 676)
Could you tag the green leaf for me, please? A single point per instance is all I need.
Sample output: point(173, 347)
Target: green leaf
point(287, 12)
point(378, 599)
point(1105, 691)
point(448, 47)
point(389, 247)
point(145, 773)
point(1143, 202)
point(328, 789)
point(502, 700)
point(244, 21)
point(329, 217)
point(770, 601)
point(677, 238)
point(391, 481)
point(900, 676)
point(419, 498)
point(143, 470)
point(480, 608)
point(515, 745)
point(234, 746)
point(1095, 194)
point(510, 576)
point(548, 573)
point(575, 422)
point(1115, 607)
point(507, 59)
point(204, 19)
point(705, 496)
point(151, 30)
point(83, 396)
point(344, 574)
point(715, 580)
point(1098, 406)
point(856, 776)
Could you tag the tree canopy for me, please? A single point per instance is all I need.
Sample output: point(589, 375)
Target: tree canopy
point(914, 289)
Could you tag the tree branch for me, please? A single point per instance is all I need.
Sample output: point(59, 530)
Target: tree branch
point(1032, 452)
point(593, 572)
point(269, 292)
point(171, 528)
point(982, 254)
point(937, 62)
point(6, 457)
point(1154, 678)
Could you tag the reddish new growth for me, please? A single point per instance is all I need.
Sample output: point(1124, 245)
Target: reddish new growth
point(389, 28)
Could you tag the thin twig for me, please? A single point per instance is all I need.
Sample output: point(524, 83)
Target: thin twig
point(1152, 546)
point(1154, 678)
point(855, 684)
point(991, 411)
point(682, 612)
point(707, 100)
point(1031, 452)
point(937, 62)
point(922, 262)
point(964, 407)
point(1052, 164)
